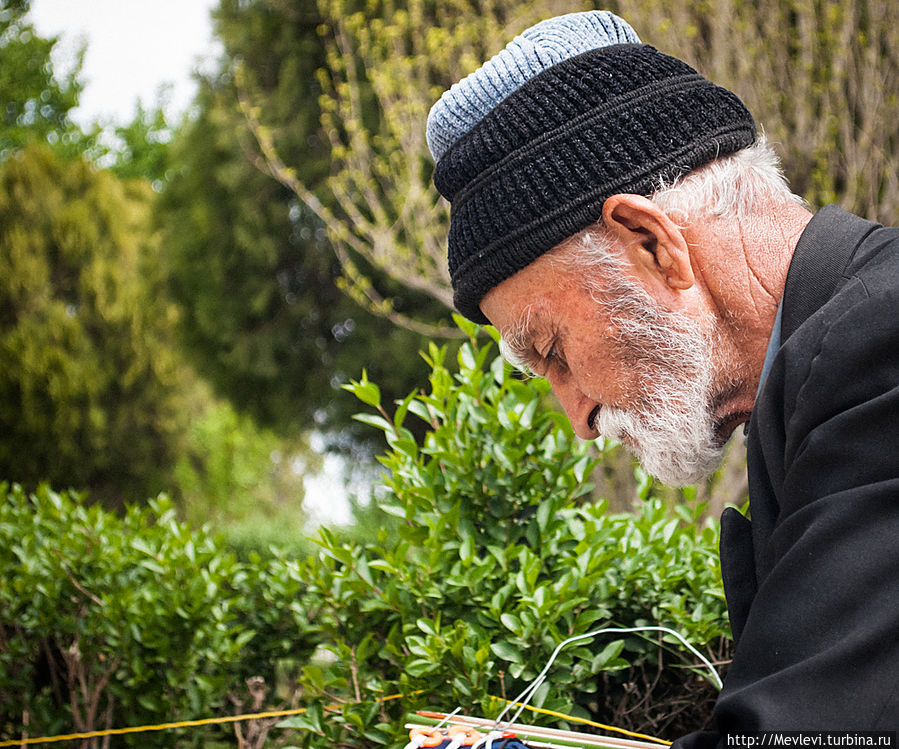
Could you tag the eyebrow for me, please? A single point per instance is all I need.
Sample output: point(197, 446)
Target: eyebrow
point(517, 344)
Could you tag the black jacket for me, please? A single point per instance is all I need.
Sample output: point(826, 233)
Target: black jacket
point(812, 583)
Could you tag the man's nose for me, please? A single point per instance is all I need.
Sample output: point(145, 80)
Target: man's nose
point(578, 407)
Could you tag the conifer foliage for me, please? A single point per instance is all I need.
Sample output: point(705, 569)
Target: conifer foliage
point(88, 376)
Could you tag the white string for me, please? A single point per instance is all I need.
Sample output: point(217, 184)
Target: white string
point(447, 718)
point(525, 697)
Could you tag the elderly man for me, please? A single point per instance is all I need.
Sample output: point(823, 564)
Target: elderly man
point(618, 218)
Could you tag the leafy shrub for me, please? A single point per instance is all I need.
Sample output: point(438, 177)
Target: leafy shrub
point(108, 620)
point(496, 560)
point(489, 555)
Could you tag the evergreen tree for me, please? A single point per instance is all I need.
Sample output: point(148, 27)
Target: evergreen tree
point(386, 62)
point(89, 383)
point(249, 263)
point(94, 389)
point(142, 147)
point(34, 100)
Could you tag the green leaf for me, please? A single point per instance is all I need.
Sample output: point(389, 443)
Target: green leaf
point(467, 549)
point(426, 626)
point(419, 667)
point(544, 512)
point(510, 621)
point(466, 326)
point(301, 722)
point(392, 509)
point(603, 658)
point(507, 652)
point(367, 392)
point(402, 409)
point(374, 420)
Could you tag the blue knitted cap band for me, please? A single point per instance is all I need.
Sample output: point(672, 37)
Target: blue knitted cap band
point(526, 56)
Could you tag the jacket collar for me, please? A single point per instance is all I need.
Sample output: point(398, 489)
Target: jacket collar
point(819, 263)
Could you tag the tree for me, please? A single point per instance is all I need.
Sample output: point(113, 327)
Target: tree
point(249, 263)
point(386, 65)
point(90, 388)
point(820, 75)
point(142, 147)
point(36, 101)
point(95, 392)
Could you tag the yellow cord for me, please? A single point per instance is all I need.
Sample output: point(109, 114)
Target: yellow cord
point(285, 713)
point(157, 727)
point(176, 724)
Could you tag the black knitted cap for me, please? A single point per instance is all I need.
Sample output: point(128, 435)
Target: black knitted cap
point(539, 166)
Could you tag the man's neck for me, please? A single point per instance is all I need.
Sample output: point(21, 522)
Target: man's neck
point(744, 266)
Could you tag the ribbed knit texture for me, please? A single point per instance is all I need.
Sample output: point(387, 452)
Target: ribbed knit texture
point(527, 55)
point(538, 166)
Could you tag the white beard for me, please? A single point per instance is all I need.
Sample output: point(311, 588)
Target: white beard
point(678, 450)
point(671, 428)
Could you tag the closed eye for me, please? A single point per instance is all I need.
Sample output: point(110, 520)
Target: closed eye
point(519, 349)
point(554, 358)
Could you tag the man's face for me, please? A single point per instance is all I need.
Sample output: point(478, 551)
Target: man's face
point(621, 366)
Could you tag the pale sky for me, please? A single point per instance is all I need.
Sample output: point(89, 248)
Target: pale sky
point(133, 47)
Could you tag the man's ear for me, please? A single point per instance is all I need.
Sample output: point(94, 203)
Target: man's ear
point(652, 243)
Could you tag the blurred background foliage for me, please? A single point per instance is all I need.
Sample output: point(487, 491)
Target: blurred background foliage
point(181, 301)
point(237, 266)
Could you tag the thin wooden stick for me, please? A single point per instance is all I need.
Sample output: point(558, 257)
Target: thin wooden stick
point(558, 734)
point(531, 744)
point(609, 740)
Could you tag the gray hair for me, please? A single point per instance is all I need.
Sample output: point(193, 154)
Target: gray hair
point(731, 188)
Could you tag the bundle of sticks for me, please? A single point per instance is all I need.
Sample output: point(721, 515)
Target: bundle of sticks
point(533, 736)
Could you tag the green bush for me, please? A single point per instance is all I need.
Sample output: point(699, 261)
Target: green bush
point(122, 621)
point(489, 554)
point(496, 560)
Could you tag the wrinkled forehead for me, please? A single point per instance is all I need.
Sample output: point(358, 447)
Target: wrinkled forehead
point(517, 304)
point(540, 291)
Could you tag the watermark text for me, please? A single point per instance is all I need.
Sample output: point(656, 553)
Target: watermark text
point(813, 739)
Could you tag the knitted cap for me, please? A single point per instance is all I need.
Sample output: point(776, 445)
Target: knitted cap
point(530, 145)
point(530, 53)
